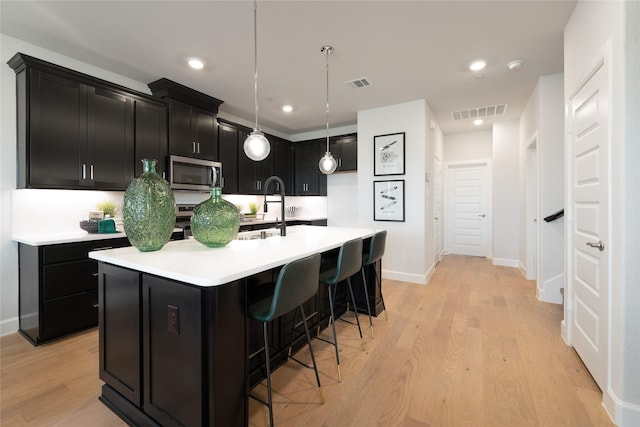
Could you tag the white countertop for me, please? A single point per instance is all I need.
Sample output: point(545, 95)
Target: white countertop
point(191, 262)
point(41, 239)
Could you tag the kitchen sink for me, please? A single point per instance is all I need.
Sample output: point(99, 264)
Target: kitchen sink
point(257, 234)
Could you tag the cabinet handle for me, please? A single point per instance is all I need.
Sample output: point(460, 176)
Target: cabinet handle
point(198, 145)
point(339, 162)
point(84, 171)
point(91, 172)
point(95, 274)
point(193, 147)
point(96, 305)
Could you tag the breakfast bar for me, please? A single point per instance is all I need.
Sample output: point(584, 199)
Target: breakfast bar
point(175, 344)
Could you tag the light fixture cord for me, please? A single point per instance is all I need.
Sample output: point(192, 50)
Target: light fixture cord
point(327, 51)
point(255, 58)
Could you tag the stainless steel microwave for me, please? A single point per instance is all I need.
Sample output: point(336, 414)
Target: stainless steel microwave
point(186, 173)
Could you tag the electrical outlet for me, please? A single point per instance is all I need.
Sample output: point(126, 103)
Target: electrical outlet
point(173, 319)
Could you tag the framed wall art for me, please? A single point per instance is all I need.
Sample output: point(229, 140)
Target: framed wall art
point(388, 154)
point(388, 200)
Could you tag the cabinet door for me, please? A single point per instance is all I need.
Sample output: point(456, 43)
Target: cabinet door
point(120, 341)
point(282, 163)
point(151, 135)
point(109, 164)
point(180, 138)
point(345, 149)
point(252, 174)
point(309, 181)
point(57, 131)
point(203, 132)
point(228, 141)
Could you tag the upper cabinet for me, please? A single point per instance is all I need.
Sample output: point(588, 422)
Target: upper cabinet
point(76, 131)
point(344, 149)
point(151, 134)
point(192, 120)
point(309, 181)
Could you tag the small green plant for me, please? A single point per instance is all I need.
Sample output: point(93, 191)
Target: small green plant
point(239, 207)
point(253, 208)
point(108, 207)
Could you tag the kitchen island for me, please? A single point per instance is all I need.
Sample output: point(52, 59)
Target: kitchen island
point(175, 344)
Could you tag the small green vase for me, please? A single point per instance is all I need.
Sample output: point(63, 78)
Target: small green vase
point(215, 221)
point(149, 211)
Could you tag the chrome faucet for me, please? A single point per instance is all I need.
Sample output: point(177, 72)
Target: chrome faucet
point(283, 227)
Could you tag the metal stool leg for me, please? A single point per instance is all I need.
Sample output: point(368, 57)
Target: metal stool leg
point(366, 295)
point(313, 358)
point(379, 283)
point(332, 320)
point(266, 354)
point(355, 310)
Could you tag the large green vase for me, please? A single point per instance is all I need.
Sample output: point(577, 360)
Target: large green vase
point(149, 212)
point(215, 221)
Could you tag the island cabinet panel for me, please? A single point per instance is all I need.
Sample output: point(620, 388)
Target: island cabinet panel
point(172, 340)
point(59, 288)
point(172, 354)
point(120, 315)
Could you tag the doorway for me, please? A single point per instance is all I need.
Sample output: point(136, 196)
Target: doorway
point(468, 211)
point(532, 227)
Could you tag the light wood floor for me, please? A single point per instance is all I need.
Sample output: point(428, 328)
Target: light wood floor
point(472, 348)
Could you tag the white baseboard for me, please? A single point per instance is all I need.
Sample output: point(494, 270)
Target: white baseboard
point(421, 279)
point(550, 290)
point(506, 262)
point(623, 414)
point(9, 326)
point(522, 269)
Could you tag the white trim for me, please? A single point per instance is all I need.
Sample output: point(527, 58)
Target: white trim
point(420, 279)
point(9, 326)
point(549, 291)
point(622, 413)
point(532, 212)
point(506, 262)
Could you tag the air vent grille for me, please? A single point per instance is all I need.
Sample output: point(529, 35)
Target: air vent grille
point(359, 83)
point(480, 112)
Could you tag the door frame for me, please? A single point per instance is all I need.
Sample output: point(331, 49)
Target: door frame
point(532, 256)
point(447, 196)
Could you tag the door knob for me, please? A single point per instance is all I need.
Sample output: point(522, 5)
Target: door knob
point(481, 215)
point(599, 245)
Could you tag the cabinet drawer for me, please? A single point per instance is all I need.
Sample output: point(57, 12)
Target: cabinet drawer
point(69, 278)
point(70, 314)
point(78, 250)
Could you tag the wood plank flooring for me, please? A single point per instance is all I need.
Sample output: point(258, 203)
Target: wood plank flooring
point(472, 348)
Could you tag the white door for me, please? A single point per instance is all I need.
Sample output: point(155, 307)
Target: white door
point(437, 208)
point(590, 227)
point(467, 209)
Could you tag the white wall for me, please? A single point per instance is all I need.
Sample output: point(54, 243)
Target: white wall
point(590, 27)
point(461, 147)
point(409, 251)
point(506, 193)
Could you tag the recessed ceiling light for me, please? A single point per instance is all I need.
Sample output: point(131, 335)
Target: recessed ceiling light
point(287, 108)
point(196, 64)
point(478, 122)
point(515, 64)
point(477, 65)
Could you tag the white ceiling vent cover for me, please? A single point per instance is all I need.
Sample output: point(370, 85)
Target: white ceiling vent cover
point(480, 112)
point(358, 83)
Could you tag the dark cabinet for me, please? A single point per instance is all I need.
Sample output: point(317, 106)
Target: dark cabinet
point(59, 288)
point(192, 120)
point(79, 132)
point(192, 131)
point(309, 181)
point(252, 174)
point(151, 135)
point(228, 156)
point(345, 150)
point(282, 164)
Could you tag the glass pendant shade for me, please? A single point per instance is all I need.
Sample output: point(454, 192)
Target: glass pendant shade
point(256, 146)
point(327, 164)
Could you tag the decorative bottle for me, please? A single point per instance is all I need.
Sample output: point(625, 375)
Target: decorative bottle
point(149, 213)
point(215, 221)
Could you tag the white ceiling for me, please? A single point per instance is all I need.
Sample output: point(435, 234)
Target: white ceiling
point(408, 50)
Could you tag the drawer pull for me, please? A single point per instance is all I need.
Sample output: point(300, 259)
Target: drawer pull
point(103, 248)
point(96, 274)
point(96, 305)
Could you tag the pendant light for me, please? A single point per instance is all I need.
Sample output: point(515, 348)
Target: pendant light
point(327, 163)
point(256, 146)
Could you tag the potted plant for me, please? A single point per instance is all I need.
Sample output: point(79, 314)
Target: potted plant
point(253, 210)
point(108, 208)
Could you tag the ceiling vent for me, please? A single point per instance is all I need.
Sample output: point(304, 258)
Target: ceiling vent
point(359, 83)
point(480, 113)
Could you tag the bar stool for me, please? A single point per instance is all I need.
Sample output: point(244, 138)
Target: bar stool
point(348, 263)
point(296, 283)
point(370, 255)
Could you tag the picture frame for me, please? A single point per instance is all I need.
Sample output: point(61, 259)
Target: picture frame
point(388, 154)
point(388, 200)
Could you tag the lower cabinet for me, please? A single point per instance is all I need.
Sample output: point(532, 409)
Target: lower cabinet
point(172, 354)
point(59, 288)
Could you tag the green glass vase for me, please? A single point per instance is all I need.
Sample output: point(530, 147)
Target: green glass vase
point(215, 221)
point(149, 212)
